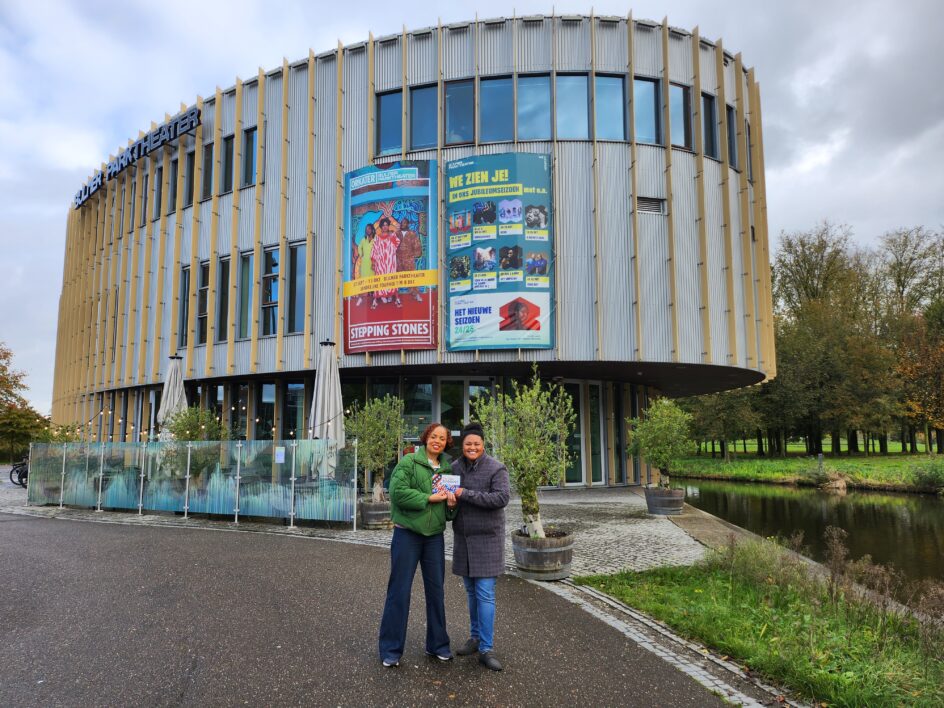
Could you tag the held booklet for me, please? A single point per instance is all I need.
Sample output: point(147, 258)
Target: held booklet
point(446, 482)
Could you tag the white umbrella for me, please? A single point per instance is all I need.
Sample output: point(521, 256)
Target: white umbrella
point(326, 421)
point(173, 397)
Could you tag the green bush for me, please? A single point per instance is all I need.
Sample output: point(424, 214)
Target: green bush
point(929, 474)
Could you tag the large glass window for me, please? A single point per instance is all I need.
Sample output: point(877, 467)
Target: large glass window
point(296, 288)
point(172, 203)
point(417, 405)
point(389, 122)
point(188, 179)
point(423, 113)
point(207, 190)
point(731, 116)
point(680, 115)
point(572, 104)
point(293, 411)
point(158, 187)
point(460, 112)
point(534, 108)
point(265, 411)
point(249, 157)
point(709, 125)
point(226, 171)
point(270, 292)
point(496, 110)
point(222, 301)
point(203, 297)
point(239, 394)
point(610, 108)
point(646, 121)
point(184, 306)
point(246, 284)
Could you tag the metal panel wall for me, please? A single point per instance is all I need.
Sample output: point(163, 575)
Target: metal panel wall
point(326, 195)
point(685, 214)
point(647, 47)
point(573, 261)
point(717, 283)
point(247, 201)
point(496, 49)
point(611, 45)
point(616, 272)
point(651, 171)
point(294, 352)
point(241, 352)
point(224, 230)
point(654, 276)
point(228, 117)
point(266, 355)
point(204, 223)
point(738, 267)
point(535, 43)
point(423, 56)
point(573, 44)
point(297, 153)
point(250, 101)
point(272, 189)
point(707, 69)
point(680, 58)
point(207, 122)
point(388, 64)
point(458, 51)
point(219, 357)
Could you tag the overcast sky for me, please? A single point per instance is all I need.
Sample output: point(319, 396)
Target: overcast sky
point(852, 103)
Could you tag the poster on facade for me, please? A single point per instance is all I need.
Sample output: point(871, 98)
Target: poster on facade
point(499, 252)
point(390, 257)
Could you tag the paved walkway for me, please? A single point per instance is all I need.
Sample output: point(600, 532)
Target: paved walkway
point(614, 532)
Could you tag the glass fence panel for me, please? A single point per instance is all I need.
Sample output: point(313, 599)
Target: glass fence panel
point(82, 465)
point(45, 474)
point(265, 484)
point(213, 478)
point(324, 481)
point(121, 475)
point(165, 469)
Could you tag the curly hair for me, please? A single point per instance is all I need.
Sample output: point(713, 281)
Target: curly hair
point(430, 428)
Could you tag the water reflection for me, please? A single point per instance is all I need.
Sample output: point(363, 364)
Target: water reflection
point(904, 529)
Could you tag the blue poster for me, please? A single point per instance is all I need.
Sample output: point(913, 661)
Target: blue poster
point(499, 252)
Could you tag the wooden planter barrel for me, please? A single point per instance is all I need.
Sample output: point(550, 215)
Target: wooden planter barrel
point(375, 515)
point(543, 558)
point(663, 502)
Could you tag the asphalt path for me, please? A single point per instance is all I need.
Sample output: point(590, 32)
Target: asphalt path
point(105, 614)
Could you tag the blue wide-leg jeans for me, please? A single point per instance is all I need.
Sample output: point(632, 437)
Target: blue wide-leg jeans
point(481, 595)
point(407, 550)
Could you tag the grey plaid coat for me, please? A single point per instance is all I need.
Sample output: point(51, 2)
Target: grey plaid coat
point(479, 526)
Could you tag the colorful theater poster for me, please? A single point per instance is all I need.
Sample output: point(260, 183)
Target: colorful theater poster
point(499, 259)
point(390, 257)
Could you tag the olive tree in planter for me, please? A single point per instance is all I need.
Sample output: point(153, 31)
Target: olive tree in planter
point(662, 438)
point(378, 428)
point(527, 429)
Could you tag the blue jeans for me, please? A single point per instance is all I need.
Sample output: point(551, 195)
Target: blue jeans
point(481, 592)
point(407, 550)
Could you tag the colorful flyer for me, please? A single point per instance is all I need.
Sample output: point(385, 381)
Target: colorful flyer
point(500, 290)
point(391, 264)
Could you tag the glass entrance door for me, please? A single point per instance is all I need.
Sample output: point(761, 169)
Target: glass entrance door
point(575, 467)
point(456, 397)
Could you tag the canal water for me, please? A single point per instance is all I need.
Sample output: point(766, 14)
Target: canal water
point(906, 530)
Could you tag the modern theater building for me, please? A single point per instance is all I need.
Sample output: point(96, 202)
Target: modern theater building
point(448, 205)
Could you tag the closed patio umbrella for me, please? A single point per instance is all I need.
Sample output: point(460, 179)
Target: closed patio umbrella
point(173, 397)
point(326, 421)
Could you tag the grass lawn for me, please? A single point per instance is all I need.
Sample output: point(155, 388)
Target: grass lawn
point(762, 608)
point(904, 473)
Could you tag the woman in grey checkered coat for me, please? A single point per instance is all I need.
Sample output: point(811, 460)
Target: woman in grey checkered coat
point(478, 554)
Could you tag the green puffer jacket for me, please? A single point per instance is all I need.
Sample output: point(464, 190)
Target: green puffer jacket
point(410, 487)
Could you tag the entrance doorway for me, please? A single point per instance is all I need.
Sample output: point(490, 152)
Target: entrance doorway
point(455, 398)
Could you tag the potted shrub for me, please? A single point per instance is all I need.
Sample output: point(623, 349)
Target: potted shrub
point(377, 427)
point(527, 430)
point(662, 438)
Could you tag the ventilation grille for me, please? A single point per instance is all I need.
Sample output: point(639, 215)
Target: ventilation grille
point(650, 205)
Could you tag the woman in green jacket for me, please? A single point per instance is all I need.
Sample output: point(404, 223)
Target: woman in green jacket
point(419, 516)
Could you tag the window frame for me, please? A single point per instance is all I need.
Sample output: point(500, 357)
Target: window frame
point(184, 311)
point(550, 106)
point(622, 104)
point(191, 166)
point(226, 164)
point(687, 133)
point(222, 299)
point(244, 315)
point(730, 114)
point(413, 113)
point(378, 129)
point(206, 188)
point(264, 304)
point(510, 78)
point(158, 193)
point(248, 177)
point(555, 92)
point(656, 109)
point(172, 202)
point(295, 289)
point(445, 131)
point(712, 121)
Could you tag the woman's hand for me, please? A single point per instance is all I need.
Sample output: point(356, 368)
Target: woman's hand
point(437, 497)
point(451, 500)
point(458, 492)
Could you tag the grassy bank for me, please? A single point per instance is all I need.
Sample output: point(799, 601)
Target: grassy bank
point(912, 474)
point(763, 608)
